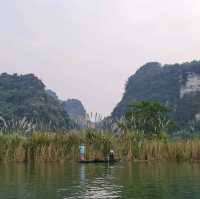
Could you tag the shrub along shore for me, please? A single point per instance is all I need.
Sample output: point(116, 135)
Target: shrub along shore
point(64, 147)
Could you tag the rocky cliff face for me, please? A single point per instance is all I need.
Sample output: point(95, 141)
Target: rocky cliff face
point(176, 85)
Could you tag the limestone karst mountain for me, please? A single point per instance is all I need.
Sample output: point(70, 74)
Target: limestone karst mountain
point(176, 85)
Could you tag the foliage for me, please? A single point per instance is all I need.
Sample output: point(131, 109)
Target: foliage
point(51, 147)
point(147, 117)
point(24, 96)
point(22, 126)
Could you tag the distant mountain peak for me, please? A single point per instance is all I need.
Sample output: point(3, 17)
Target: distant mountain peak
point(74, 108)
point(150, 68)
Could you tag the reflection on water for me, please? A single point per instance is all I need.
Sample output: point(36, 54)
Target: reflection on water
point(82, 173)
point(124, 180)
point(95, 182)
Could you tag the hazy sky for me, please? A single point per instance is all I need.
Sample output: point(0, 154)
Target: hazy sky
point(87, 49)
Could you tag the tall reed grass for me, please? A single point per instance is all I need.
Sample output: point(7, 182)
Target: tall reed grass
point(51, 147)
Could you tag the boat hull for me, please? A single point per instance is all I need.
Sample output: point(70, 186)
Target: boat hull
point(97, 161)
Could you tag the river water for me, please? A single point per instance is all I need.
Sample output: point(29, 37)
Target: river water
point(122, 180)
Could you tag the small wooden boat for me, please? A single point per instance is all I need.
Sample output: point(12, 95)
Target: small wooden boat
point(98, 161)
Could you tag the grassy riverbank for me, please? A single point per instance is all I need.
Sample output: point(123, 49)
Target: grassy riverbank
point(49, 147)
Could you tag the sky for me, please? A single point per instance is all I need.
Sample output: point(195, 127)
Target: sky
point(87, 49)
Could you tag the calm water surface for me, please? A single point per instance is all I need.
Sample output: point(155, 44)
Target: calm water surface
point(124, 180)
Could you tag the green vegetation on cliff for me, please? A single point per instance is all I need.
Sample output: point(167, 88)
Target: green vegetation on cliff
point(24, 98)
point(148, 118)
point(177, 86)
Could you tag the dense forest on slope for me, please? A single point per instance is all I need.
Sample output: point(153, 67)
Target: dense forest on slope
point(177, 86)
point(75, 109)
point(24, 96)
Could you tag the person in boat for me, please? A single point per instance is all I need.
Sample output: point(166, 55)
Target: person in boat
point(82, 152)
point(111, 155)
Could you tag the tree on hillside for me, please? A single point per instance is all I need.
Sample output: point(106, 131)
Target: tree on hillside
point(148, 117)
